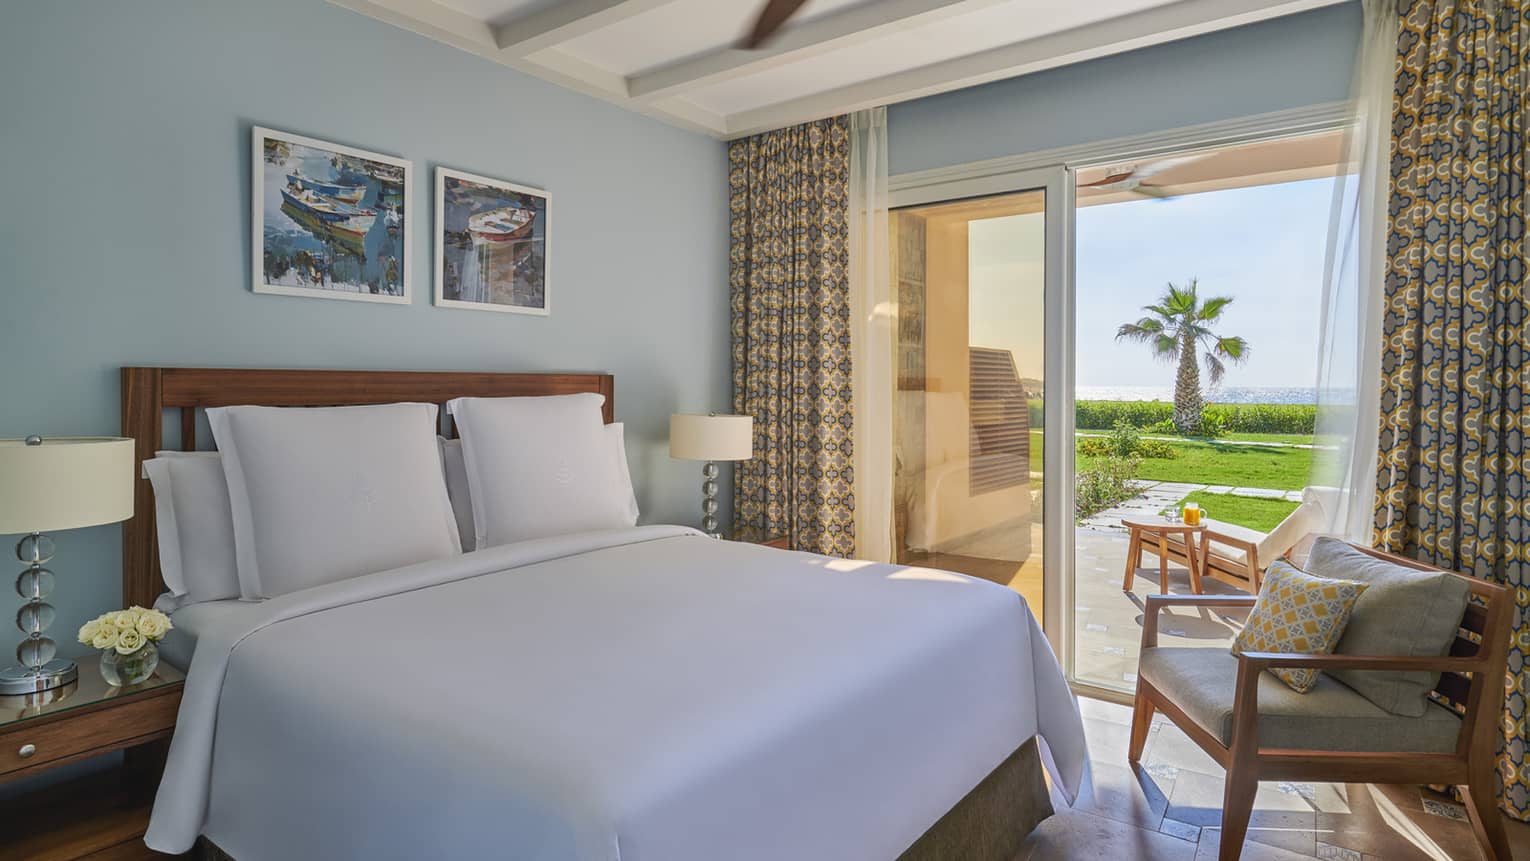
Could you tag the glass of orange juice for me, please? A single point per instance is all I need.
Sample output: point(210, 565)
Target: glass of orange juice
point(1192, 514)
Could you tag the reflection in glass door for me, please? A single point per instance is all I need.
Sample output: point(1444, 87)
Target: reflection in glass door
point(971, 279)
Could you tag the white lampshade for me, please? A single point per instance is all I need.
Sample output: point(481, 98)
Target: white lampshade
point(65, 483)
point(711, 437)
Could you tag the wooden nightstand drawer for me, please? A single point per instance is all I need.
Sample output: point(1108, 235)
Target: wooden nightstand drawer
point(28, 747)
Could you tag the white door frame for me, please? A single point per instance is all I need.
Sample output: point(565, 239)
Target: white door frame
point(1057, 465)
point(1053, 170)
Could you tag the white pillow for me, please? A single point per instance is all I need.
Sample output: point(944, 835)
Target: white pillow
point(462, 499)
point(617, 437)
point(323, 494)
point(540, 466)
point(455, 471)
point(195, 525)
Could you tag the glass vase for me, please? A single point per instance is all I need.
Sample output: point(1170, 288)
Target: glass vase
point(130, 669)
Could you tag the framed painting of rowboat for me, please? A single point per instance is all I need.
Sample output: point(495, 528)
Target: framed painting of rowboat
point(491, 244)
point(330, 221)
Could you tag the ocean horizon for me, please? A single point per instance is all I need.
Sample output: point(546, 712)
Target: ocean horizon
point(1225, 395)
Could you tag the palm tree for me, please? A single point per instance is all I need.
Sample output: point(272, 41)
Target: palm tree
point(1174, 329)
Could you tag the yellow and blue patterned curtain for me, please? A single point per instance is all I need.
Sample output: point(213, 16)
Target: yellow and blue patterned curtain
point(789, 277)
point(1453, 466)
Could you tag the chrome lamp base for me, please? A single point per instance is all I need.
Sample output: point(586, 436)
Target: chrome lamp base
point(41, 669)
point(27, 680)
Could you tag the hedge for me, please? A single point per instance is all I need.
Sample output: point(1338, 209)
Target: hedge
point(1235, 418)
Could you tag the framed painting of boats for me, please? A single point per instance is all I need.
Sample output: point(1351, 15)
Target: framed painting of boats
point(330, 221)
point(491, 244)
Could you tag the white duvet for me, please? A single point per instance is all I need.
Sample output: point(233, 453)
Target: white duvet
point(640, 695)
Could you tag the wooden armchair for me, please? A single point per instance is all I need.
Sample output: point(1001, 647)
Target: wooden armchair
point(1259, 729)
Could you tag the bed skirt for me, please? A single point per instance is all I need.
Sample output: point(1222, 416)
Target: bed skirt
point(989, 824)
point(992, 821)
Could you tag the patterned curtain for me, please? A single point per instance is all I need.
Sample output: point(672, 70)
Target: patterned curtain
point(1451, 484)
point(789, 278)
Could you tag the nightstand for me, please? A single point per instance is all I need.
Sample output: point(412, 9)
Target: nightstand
point(101, 817)
point(779, 542)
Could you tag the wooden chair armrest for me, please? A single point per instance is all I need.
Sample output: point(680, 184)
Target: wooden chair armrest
point(1404, 663)
point(1223, 538)
point(1155, 603)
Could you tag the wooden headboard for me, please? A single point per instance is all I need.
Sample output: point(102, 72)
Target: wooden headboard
point(148, 392)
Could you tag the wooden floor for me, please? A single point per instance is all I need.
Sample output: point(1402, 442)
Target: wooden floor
point(1170, 808)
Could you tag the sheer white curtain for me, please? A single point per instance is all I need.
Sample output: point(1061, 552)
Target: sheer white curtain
point(872, 345)
point(1349, 362)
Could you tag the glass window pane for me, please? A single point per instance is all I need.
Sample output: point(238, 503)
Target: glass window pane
point(971, 279)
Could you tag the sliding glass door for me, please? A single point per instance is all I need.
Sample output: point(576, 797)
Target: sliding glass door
point(979, 292)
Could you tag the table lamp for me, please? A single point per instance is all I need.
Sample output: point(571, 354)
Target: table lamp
point(48, 485)
point(710, 438)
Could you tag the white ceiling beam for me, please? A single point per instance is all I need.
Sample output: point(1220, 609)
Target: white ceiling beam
point(565, 20)
point(1115, 35)
point(861, 23)
point(433, 20)
point(567, 67)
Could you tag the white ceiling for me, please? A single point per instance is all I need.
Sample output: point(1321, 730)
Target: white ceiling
point(676, 60)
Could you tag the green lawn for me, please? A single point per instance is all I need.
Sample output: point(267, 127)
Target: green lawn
point(1228, 463)
point(1220, 462)
point(1260, 514)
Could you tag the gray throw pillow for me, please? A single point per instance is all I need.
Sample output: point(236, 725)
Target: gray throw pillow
point(1403, 612)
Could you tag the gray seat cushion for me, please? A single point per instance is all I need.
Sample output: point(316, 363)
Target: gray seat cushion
point(1403, 611)
point(1332, 716)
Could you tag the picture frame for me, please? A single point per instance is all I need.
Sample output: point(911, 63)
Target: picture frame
point(491, 244)
point(329, 221)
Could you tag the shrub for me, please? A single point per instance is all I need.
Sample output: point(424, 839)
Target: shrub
point(1213, 425)
point(1125, 441)
point(1124, 438)
point(1156, 416)
point(1103, 415)
point(1156, 449)
point(1105, 483)
point(1265, 418)
point(1094, 446)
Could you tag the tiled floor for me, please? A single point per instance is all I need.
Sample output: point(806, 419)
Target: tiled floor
point(1169, 809)
point(1108, 622)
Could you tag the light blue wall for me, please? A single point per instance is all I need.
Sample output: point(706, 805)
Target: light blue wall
point(125, 226)
point(1290, 62)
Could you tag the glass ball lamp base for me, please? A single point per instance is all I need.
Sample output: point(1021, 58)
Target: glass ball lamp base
point(26, 680)
point(40, 668)
point(709, 499)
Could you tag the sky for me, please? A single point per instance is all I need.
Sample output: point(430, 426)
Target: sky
point(1263, 246)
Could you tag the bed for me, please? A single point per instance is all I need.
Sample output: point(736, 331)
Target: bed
point(628, 694)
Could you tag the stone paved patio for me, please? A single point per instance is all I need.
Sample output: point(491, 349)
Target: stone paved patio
point(1108, 621)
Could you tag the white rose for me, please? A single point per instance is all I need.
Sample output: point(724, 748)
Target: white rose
point(105, 638)
point(153, 624)
point(124, 620)
point(89, 630)
point(129, 642)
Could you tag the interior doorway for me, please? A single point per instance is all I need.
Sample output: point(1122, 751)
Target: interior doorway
point(971, 387)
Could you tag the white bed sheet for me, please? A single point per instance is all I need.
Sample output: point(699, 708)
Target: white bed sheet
point(189, 622)
point(634, 695)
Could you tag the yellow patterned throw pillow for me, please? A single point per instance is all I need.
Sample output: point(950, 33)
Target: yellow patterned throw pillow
point(1297, 613)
